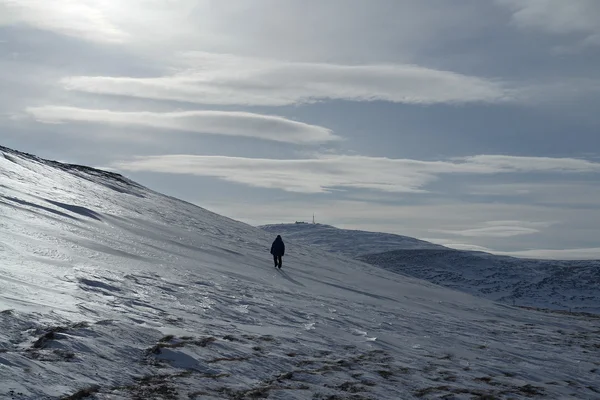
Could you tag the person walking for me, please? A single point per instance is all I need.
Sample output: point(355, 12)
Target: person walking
point(278, 250)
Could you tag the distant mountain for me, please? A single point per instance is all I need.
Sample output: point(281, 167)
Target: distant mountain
point(562, 285)
point(349, 243)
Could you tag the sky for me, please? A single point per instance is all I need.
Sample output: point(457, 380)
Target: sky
point(470, 123)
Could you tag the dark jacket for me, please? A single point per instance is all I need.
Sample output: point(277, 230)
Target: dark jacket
point(278, 248)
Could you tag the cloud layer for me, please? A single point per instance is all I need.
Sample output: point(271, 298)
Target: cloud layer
point(224, 79)
point(206, 122)
point(77, 18)
point(522, 73)
point(325, 173)
point(558, 17)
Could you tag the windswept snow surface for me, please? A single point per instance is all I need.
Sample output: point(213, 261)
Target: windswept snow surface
point(111, 291)
point(553, 284)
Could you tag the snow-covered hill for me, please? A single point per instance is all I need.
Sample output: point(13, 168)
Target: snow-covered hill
point(349, 243)
point(109, 290)
point(561, 285)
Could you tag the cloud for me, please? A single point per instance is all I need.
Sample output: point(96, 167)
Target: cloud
point(503, 163)
point(558, 17)
point(219, 79)
point(226, 79)
point(77, 18)
point(326, 172)
point(458, 246)
point(308, 176)
point(494, 231)
point(589, 253)
point(569, 194)
point(498, 229)
point(207, 122)
point(283, 30)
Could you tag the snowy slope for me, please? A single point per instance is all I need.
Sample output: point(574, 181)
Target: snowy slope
point(350, 243)
point(561, 285)
point(111, 291)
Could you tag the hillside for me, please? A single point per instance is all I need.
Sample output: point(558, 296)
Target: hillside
point(561, 285)
point(109, 290)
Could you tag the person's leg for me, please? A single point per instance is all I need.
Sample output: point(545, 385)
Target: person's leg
point(275, 260)
point(280, 261)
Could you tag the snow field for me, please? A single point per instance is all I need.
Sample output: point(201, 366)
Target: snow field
point(111, 291)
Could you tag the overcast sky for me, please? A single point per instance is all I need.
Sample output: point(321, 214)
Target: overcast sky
point(470, 123)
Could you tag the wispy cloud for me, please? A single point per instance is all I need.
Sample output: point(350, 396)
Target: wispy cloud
point(499, 229)
point(77, 18)
point(573, 193)
point(558, 17)
point(324, 173)
point(502, 163)
point(308, 176)
point(493, 231)
point(225, 79)
point(206, 122)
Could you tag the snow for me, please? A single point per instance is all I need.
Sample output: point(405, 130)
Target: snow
point(553, 284)
point(558, 285)
point(112, 291)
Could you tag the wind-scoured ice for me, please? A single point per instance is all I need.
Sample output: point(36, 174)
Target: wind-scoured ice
point(109, 290)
